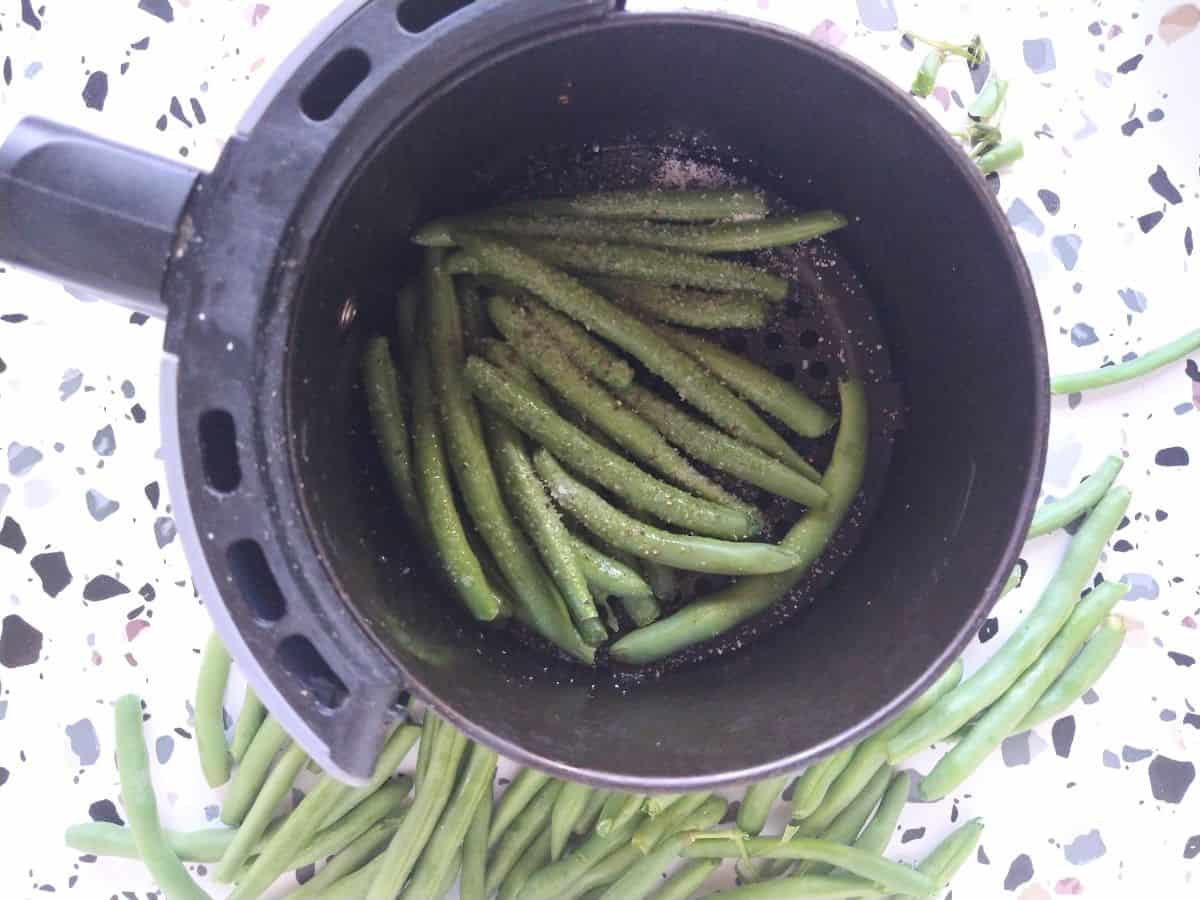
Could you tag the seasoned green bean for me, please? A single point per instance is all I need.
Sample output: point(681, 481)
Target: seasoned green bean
point(474, 853)
point(1006, 713)
point(397, 746)
point(387, 403)
point(767, 391)
point(685, 374)
point(348, 875)
point(440, 856)
point(757, 803)
point(685, 306)
point(1083, 672)
point(686, 880)
point(528, 824)
point(814, 782)
point(725, 453)
point(515, 798)
point(1148, 362)
point(629, 430)
point(105, 839)
point(987, 684)
point(475, 327)
point(1065, 510)
point(504, 357)
point(589, 353)
point(662, 580)
point(249, 719)
point(644, 875)
point(210, 712)
point(568, 807)
point(554, 881)
point(948, 857)
point(458, 558)
point(410, 839)
point(536, 855)
point(697, 554)
point(258, 817)
point(710, 616)
point(695, 205)
point(141, 809)
point(606, 575)
point(250, 775)
point(882, 826)
point(595, 461)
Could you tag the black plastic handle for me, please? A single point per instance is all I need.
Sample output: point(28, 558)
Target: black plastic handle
point(89, 212)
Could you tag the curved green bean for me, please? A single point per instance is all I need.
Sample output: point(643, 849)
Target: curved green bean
point(757, 803)
point(258, 817)
point(644, 875)
point(471, 886)
point(250, 775)
point(411, 838)
point(1065, 510)
point(458, 558)
point(878, 833)
point(767, 391)
point(210, 712)
point(524, 830)
point(987, 684)
point(847, 824)
point(249, 719)
point(437, 861)
point(709, 616)
point(568, 807)
point(692, 553)
point(814, 782)
point(520, 791)
point(725, 453)
point(1006, 713)
point(595, 461)
point(686, 880)
point(1083, 672)
point(1135, 368)
point(948, 857)
point(641, 439)
point(606, 575)
point(387, 404)
point(106, 839)
point(563, 293)
point(141, 810)
point(397, 746)
point(555, 881)
point(385, 803)
point(695, 205)
point(535, 856)
point(349, 874)
point(684, 306)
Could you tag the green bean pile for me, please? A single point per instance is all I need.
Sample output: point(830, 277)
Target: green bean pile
point(523, 421)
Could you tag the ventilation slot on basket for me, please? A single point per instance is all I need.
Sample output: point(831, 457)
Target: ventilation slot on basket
point(415, 16)
point(303, 661)
point(218, 451)
point(254, 580)
point(334, 83)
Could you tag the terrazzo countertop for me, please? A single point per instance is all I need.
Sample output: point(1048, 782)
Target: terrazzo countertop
point(96, 600)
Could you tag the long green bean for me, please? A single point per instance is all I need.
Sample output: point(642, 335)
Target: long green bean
point(685, 306)
point(829, 887)
point(948, 857)
point(397, 746)
point(554, 881)
point(697, 554)
point(1006, 713)
point(105, 839)
point(589, 353)
point(603, 873)
point(595, 461)
point(878, 833)
point(757, 803)
point(387, 404)
point(348, 875)
point(620, 808)
point(141, 810)
point(210, 712)
point(987, 684)
point(697, 205)
point(568, 807)
point(686, 880)
point(430, 726)
point(591, 812)
point(814, 782)
point(249, 719)
point(474, 854)
point(385, 803)
point(535, 856)
point(520, 791)
point(258, 817)
point(592, 311)
point(845, 827)
point(1083, 672)
point(645, 874)
point(652, 831)
point(524, 830)
point(250, 775)
point(718, 612)
point(1135, 368)
point(767, 391)
point(606, 575)
point(1065, 510)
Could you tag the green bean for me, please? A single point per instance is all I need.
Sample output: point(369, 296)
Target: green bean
point(619, 809)
point(568, 807)
point(449, 878)
point(105, 839)
point(830, 887)
point(535, 856)
point(397, 746)
point(724, 453)
point(210, 712)
point(1065, 510)
point(987, 684)
point(1006, 713)
point(948, 857)
point(709, 616)
point(696, 205)
point(684, 306)
point(250, 775)
point(1083, 672)
point(430, 726)
point(697, 554)
point(603, 873)
point(385, 803)
point(606, 575)
point(849, 822)
point(297, 829)
point(656, 804)
point(723, 237)
point(641, 439)
point(524, 829)
point(475, 326)
point(678, 818)
point(767, 391)
point(592, 459)
point(882, 826)
point(757, 803)
point(662, 580)
point(515, 798)
point(248, 721)
point(438, 860)
point(591, 812)
point(926, 77)
point(1000, 155)
point(474, 852)
point(1148, 362)
point(644, 875)
point(362, 848)
point(686, 880)
point(387, 403)
point(351, 885)
point(437, 496)
point(688, 377)
point(504, 357)
point(141, 810)
point(589, 353)
point(410, 839)
point(814, 782)
point(987, 104)
point(555, 881)
point(258, 817)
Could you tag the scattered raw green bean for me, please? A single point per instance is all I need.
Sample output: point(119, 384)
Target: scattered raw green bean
point(844, 828)
point(757, 803)
point(686, 880)
point(882, 826)
point(250, 775)
point(536, 856)
point(987, 104)
point(652, 831)
point(591, 812)
point(1001, 155)
point(351, 885)
point(652, 203)
point(105, 839)
point(1054, 515)
point(1148, 362)
point(249, 719)
point(1083, 672)
point(258, 817)
point(210, 712)
point(523, 788)
point(644, 875)
point(814, 783)
point(347, 860)
point(397, 746)
point(430, 726)
point(926, 77)
point(554, 881)
point(657, 804)
point(685, 306)
point(829, 887)
point(568, 807)
point(385, 803)
point(387, 403)
point(472, 885)
point(947, 857)
point(525, 828)
point(619, 809)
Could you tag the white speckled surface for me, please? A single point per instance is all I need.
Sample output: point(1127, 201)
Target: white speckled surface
point(1101, 803)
